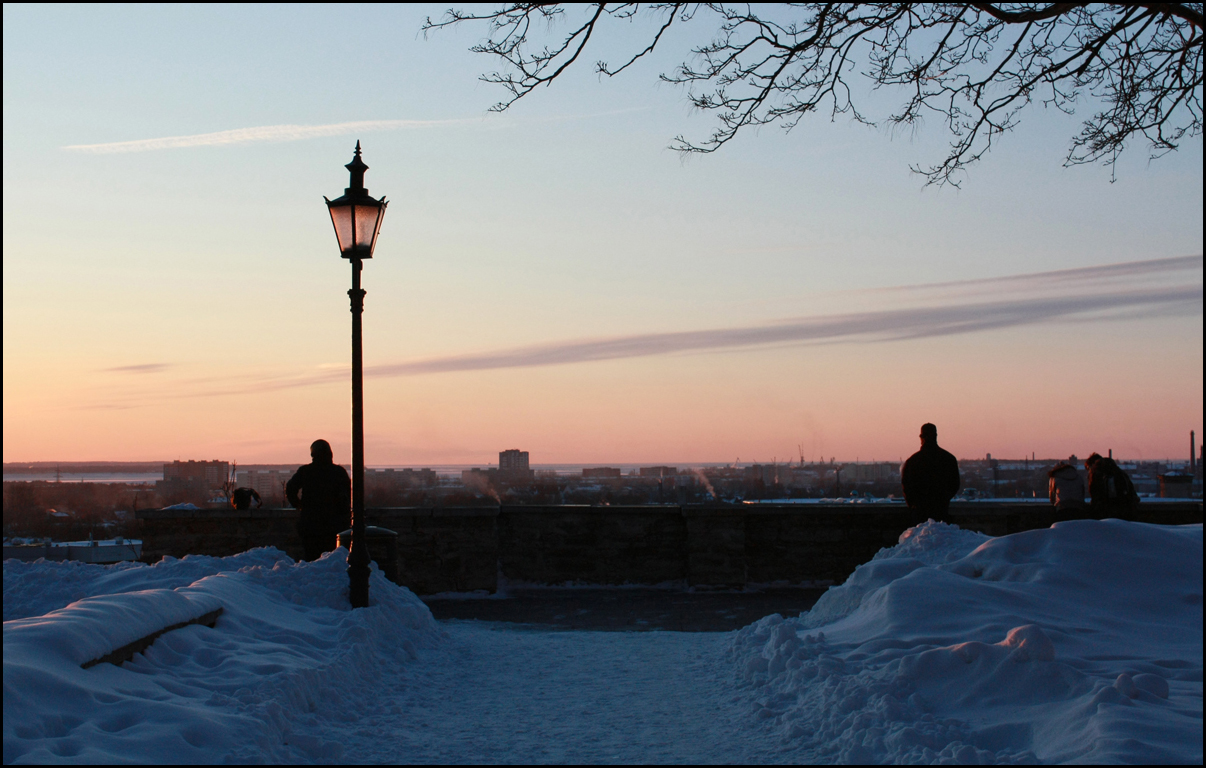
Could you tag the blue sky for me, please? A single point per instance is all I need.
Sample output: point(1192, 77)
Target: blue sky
point(214, 267)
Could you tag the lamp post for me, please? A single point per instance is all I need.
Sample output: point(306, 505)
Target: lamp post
point(357, 220)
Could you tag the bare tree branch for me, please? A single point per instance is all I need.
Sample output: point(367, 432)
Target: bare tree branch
point(978, 65)
point(670, 17)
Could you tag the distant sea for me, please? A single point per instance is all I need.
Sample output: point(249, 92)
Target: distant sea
point(86, 477)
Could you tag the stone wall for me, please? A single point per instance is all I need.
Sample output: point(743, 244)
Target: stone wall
point(216, 532)
point(592, 545)
point(822, 544)
point(444, 550)
point(716, 546)
point(465, 549)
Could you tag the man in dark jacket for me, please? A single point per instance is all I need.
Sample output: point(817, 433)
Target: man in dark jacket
point(930, 477)
point(322, 491)
point(1110, 489)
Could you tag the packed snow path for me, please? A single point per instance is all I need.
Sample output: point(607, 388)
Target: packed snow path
point(501, 694)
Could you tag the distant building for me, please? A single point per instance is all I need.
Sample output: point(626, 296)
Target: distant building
point(400, 479)
point(600, 473)
point(513, 460)
point(658, 471)
point(768, 474)
point(871, 472)
point(213, 473)
point(792, 476)
point(799, 478)
point(478, 480)
point(198, 477)
point(268, 483)
point(513, 466)
point(1176, 485)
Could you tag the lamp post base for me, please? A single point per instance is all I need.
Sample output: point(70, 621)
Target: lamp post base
point(358, 573)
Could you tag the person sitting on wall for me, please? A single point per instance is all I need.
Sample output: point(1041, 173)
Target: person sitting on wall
point(930, 477)
point(1065, 487)
point(1111, 491)
point(242, 498)
point(322, 491)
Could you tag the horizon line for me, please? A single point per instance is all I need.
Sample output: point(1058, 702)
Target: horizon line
point(612, 464)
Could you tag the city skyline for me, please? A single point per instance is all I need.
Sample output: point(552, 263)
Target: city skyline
point(1192, 459)
point(551, 278)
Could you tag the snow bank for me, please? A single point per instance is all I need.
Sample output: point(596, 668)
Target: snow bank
point(286, 653)
point(1081, 642)
point(36, 588)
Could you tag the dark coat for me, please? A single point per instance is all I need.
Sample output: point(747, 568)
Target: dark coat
point(1111, 488)
point(930, 479)
point(323, 493)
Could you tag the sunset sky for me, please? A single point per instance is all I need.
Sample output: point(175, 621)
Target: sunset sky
point(553, 278)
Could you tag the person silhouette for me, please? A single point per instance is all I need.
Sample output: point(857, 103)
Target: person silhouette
point(322, 491)
point(1066, 488)
point(242, 498)
point(1111, 490)
point(930, 477)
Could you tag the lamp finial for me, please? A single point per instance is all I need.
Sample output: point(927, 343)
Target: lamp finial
point(357, 169)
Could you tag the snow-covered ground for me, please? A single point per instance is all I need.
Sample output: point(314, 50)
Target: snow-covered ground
point(1078, 643)
point(287, 660)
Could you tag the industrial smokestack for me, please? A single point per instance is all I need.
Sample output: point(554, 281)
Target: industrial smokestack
point(1193, 454)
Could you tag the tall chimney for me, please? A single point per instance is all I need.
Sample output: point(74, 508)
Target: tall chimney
point(1192, 454)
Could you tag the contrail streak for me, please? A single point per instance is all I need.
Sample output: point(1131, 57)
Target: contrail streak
point(885, 325)
point(1082, 298)
point(267, 133)
point(1059, 278)
point(141, 368)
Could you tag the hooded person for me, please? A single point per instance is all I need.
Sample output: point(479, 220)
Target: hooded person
point(930, 477)
point(1111, 491)
point(322, 491)
point(1065, 487)
point(242, 498)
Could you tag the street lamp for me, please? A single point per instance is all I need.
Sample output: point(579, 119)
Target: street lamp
point(357, 220)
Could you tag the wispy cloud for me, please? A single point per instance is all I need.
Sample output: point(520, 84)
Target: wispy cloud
point(141, 368)
point(1092, 294)
point(1060, 280)
point(263, 133)
point(1107, 291)
point(889, 325)
point(281, 133)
